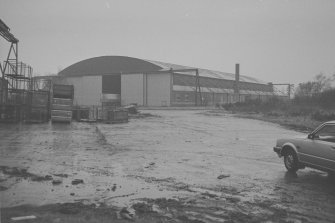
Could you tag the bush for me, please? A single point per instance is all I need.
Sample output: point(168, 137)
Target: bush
point(257, 105)
point(319, 107)
point(323, 116)
point(325, 99)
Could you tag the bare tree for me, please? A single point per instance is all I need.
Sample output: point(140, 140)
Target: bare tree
point(318, 85)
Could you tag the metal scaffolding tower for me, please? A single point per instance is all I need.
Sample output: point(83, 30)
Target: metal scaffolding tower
point(17, 87)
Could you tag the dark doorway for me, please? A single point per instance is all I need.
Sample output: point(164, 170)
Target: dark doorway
point(111, 84)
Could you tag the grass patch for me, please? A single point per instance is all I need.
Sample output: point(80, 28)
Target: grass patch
point(302, 114)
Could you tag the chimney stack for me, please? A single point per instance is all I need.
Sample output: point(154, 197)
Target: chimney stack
point(237, 78)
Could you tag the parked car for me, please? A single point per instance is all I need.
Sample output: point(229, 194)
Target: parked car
point(316, 150)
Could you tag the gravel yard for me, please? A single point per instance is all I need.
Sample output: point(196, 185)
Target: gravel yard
point(173, 166)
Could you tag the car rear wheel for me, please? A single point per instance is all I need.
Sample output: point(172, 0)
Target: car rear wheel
point(291, 161)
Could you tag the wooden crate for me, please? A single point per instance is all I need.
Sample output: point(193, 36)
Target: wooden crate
point(115, 116)
point(40, 99)
point(37, 115)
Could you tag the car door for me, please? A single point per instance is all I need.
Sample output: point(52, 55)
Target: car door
point(319, 149)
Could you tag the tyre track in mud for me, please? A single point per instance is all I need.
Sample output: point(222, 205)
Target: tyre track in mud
point(101, 139)
point(105, 143)
point(228, 206)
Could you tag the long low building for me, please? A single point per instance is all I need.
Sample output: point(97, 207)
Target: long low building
point(127, 80)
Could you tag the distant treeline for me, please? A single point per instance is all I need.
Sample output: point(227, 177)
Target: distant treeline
point(313, 99)
point(320, 106)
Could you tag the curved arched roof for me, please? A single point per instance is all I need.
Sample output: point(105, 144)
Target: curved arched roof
point(121, 64)
point(108, 65)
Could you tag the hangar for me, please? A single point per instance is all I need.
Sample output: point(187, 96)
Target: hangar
point(126, 80)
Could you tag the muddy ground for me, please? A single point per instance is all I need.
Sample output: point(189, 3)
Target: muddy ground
point(174, 166)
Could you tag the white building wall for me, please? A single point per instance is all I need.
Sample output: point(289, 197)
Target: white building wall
point(132, 89)
point(146, 89)
point(87, 90)
point(158, 89)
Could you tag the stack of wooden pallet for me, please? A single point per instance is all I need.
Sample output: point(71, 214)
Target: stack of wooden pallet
point(62, 103)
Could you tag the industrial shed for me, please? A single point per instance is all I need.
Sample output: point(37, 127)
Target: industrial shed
point(126, 80)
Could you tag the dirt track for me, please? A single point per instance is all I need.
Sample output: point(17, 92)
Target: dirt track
point(177, 166)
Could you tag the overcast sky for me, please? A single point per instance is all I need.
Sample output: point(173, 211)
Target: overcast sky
point(276, 41)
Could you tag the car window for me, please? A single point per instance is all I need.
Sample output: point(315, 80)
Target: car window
point(326, 133)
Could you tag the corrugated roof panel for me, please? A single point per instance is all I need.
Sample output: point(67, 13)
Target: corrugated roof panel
point(206, 72)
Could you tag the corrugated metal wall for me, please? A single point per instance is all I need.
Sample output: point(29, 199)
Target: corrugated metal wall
point(87, 90)
point(215, 91)
point(161, 89)
point(146, 89)
point(158, 89)
point(132, 89)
